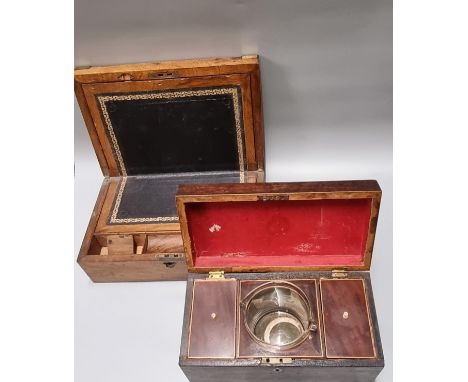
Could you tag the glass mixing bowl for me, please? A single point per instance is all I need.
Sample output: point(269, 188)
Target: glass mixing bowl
point(277, 315)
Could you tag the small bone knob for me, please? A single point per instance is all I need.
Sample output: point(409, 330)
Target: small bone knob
point(345, 315)
point(213, 316)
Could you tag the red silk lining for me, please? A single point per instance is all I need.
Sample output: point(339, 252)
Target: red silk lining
point(300, 233)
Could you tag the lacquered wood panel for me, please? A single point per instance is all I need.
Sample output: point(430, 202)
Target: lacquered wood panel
point(213, 319)
point(347, 325)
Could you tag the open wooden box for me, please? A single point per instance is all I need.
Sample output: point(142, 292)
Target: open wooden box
point(154, 126)
point(278, 286)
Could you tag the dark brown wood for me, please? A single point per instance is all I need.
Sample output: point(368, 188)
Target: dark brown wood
point(300, 369)
point(279, 373)
point(351, 189)
point(347, 325)
point(213, 319)
point(258, 117)
point(329, 187)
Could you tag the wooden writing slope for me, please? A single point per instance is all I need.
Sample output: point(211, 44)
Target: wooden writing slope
point(154, 126)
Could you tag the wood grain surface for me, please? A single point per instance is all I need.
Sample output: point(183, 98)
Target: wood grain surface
point(347, 325)
point(213, 321)
point(243, 71)
point(184, 74)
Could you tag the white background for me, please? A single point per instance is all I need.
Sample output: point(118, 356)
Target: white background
point(327, 96)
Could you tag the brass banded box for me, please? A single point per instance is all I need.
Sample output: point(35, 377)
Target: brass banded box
point(278, 286)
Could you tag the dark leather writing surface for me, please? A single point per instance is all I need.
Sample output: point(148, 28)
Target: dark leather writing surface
point(182, 131)
point(147, 198)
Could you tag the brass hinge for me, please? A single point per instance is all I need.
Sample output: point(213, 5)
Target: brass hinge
point(215, 275)
point(276, 360)
point(339, 274)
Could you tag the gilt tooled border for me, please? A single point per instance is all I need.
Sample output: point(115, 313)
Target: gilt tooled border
point(114, 219)
point(102, 99)
point(232, 90)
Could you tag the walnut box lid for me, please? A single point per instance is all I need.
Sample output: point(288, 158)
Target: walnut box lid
point(175, 116)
